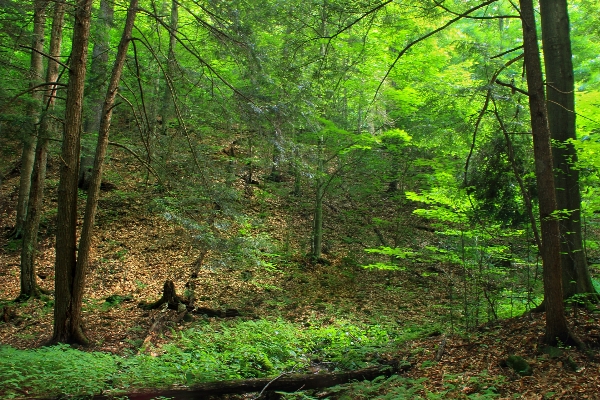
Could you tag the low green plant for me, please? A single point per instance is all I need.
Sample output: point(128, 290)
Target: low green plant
point(13, 245)
point(395, 387)
point(54, 371)
point(206, 352)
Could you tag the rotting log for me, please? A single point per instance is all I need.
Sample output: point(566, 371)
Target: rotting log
point(283, 383)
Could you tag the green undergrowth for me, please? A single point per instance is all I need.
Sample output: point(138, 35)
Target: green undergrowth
point(396, 387)
point(205, 352)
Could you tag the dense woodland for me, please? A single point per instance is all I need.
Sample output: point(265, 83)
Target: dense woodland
point(300, 199)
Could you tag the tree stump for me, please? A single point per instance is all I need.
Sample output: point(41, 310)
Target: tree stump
point(169, 297)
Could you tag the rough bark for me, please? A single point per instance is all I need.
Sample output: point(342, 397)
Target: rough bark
point(67, 316)
point(96, 89)
point(29, 286)
point(556, 323)
point(79, 268)
point(36, 71)
point(560, 92)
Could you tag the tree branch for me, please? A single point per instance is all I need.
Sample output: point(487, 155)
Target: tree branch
point(433, 32)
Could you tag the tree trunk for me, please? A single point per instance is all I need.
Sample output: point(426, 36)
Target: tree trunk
point(556, 323)
point(276, 174)
point(36, 72)
point(166, 112)
point(560, 92)
point(67, 316)
point(85, 243)
point(317, 243)
point(29, 286)
point(96, 90)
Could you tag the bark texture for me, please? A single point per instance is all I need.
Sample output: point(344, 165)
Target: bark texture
point(96, 89)
point(560, 92)
point(67, 314)
point(29, 286)
point(93, 195)
point(36, 72)
point(556, 323)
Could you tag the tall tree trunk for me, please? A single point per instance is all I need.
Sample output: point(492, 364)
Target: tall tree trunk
point(96, 89)
point(276, 172)
point(29, 286)
point(36, 71)
point(85, 242)
point(67, 318)
point(317, 243)
point(556, 323)
point(167, 112)
point(560, 92)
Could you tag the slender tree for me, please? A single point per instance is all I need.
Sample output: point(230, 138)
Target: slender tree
point(556, 322)
point(317, 233)
point(560, 92)
point(96, 88)
point(36, 73)
point(29, 286)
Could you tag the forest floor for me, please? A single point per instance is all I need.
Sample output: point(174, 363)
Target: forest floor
point(137, 250)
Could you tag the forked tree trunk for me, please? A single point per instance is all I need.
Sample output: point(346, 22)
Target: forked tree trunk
point(75, 300)
point(36, 72)
point(67, 316)
point(71, 281)
point(556, 323)
point(29, 286)
point(560, 92)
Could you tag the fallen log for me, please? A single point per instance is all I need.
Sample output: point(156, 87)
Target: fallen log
point(283, 383)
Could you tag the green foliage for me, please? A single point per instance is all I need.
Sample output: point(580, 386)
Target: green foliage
point(13, 245)
point(53, 371)
point(206, 352)
point(397, 387)
point(394, 253)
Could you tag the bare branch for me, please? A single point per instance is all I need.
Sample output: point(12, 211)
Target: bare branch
point(440, 5)
point(48, 56)
point(506, 52)
point(512, 86)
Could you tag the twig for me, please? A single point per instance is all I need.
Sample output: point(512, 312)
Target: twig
point(267, 385)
